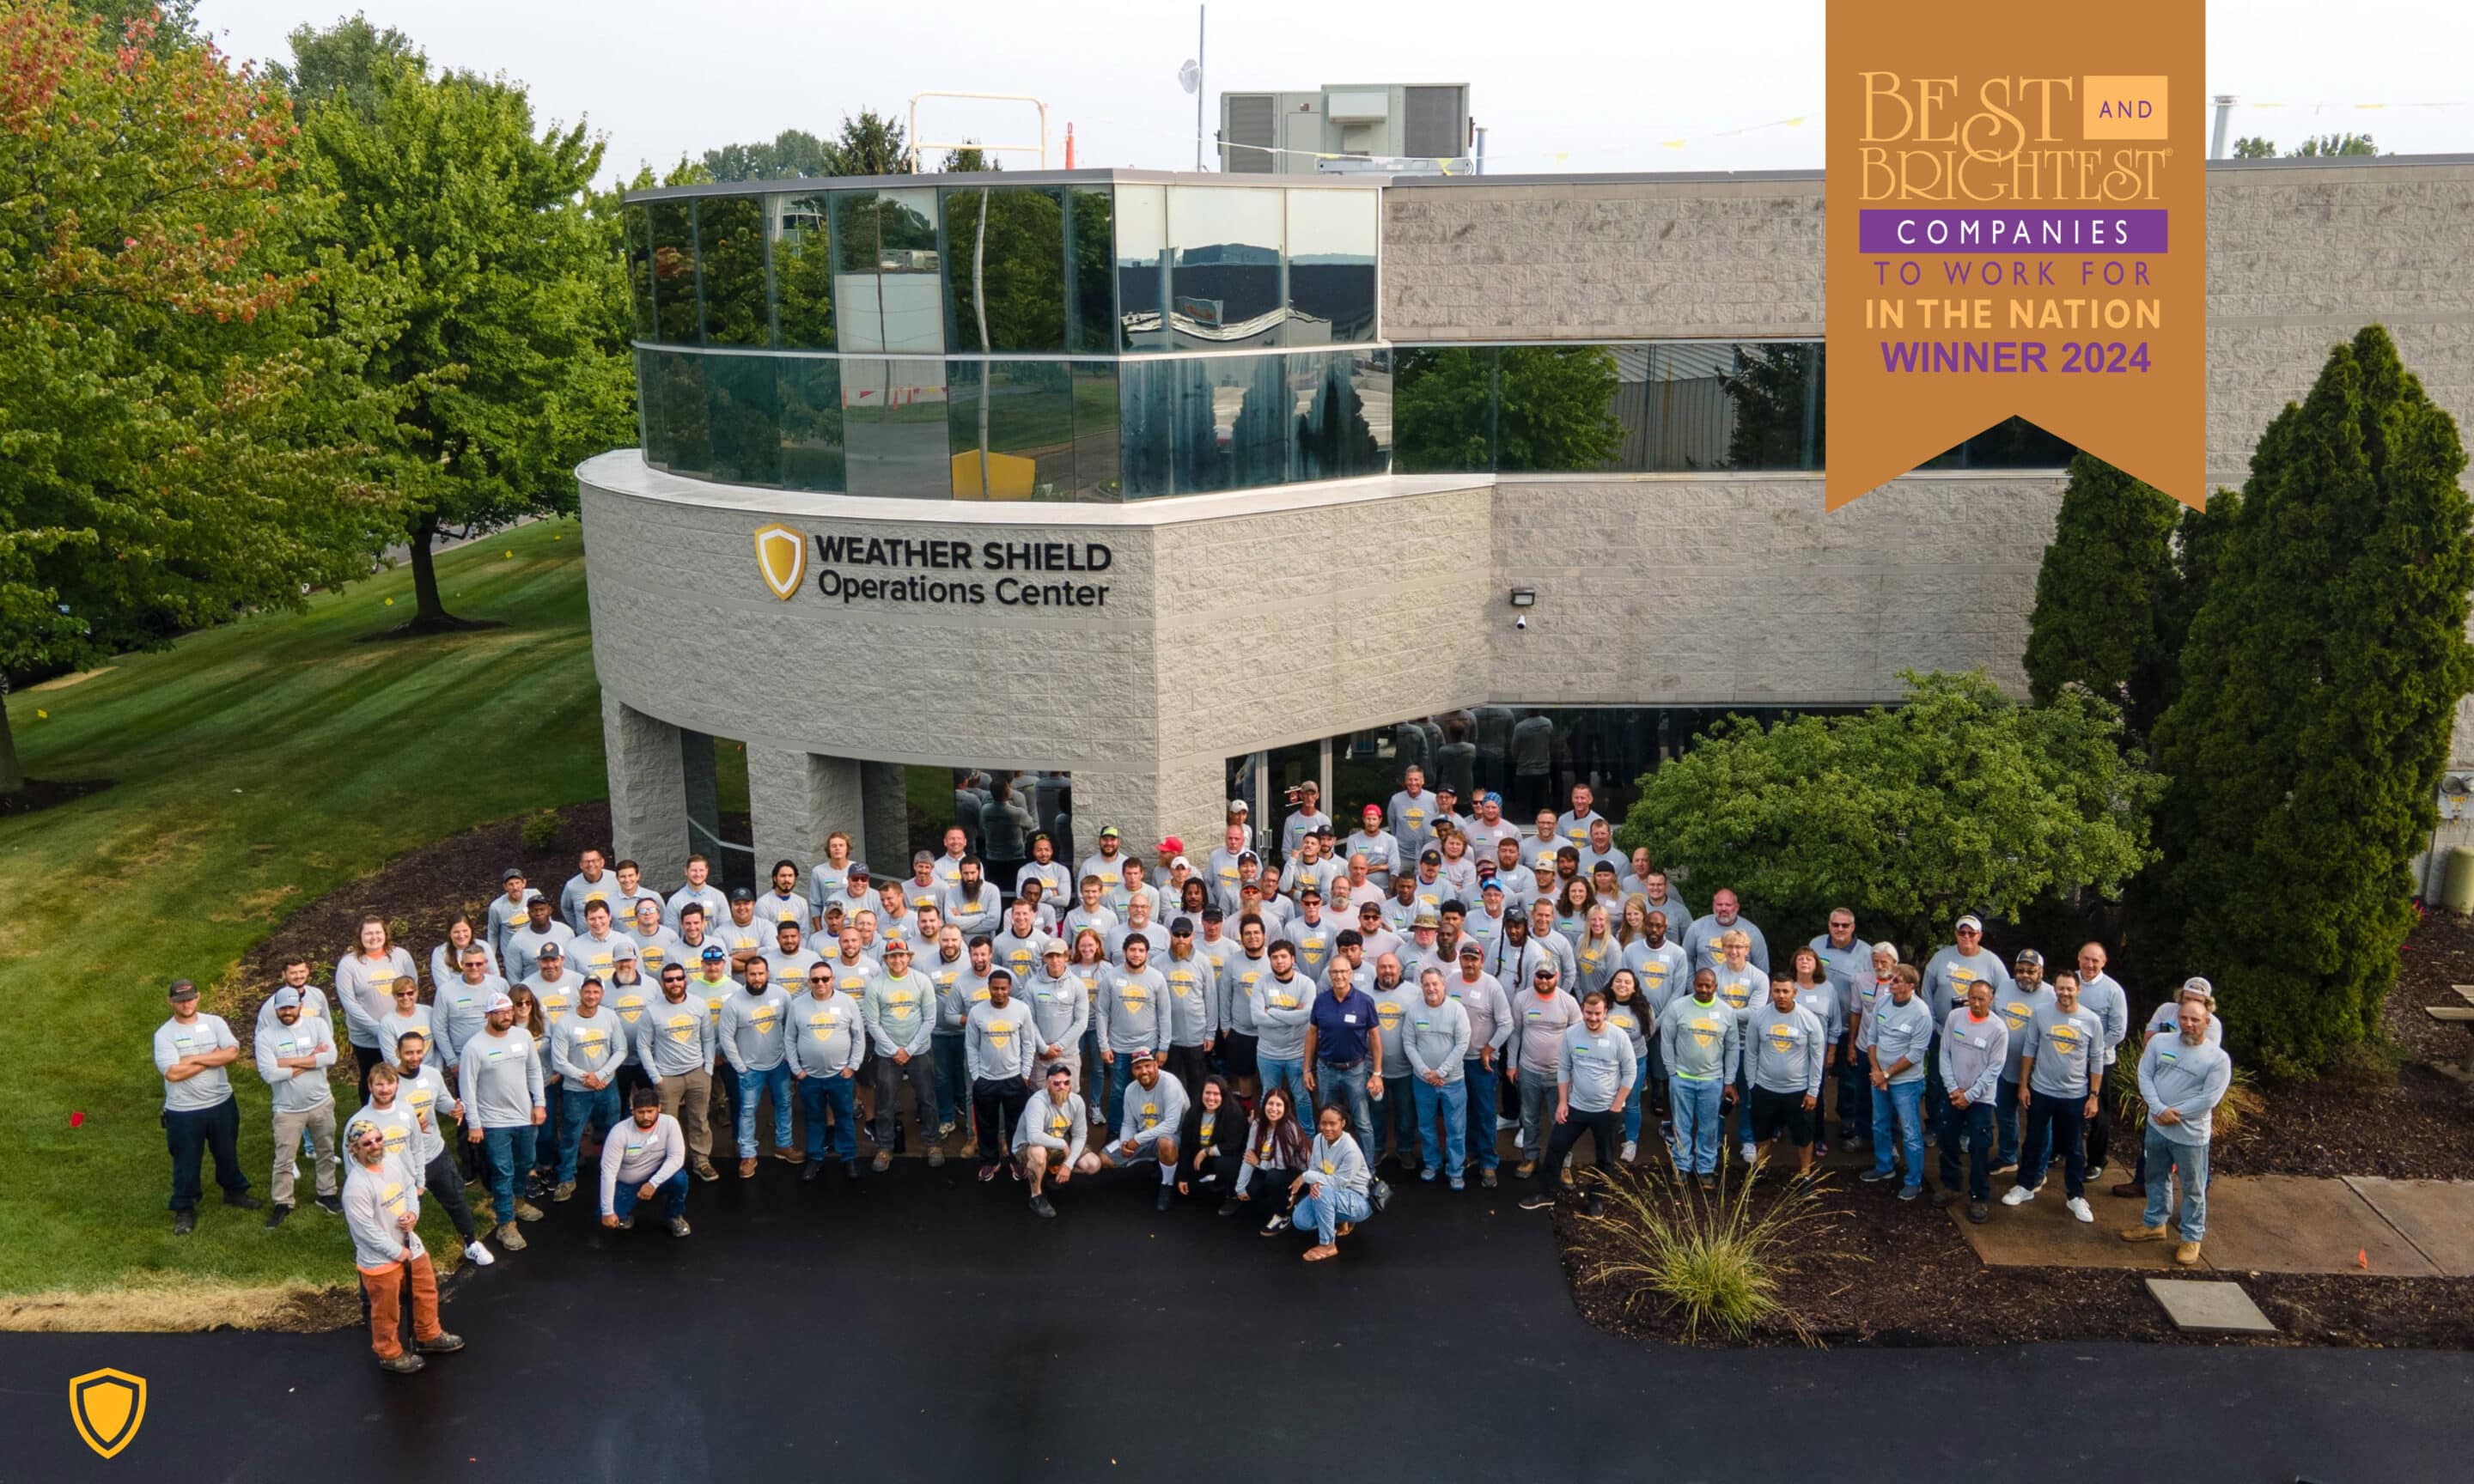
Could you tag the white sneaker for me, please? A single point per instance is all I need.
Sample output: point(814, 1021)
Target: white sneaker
point(2019, 1195)
point(480, 1256)
point(2079, 1207)
point(1630, 1151)
point(1504, 1125)
point(1749, 1153)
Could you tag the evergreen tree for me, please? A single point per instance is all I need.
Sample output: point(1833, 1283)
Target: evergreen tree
point(2199, 545)
point(2319, 685)
point(2105, 579)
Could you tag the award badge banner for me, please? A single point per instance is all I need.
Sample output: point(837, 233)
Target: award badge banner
point(2017, 226)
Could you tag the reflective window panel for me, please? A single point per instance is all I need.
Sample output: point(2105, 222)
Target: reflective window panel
point(887, 289)
point(893, 428)
point(1142, 260)
point(639, 269)
point(811, 392)
point(675, 270)
point(1333, 239)
point(1091, 317)
point(1009, 255)
point(803, 277)
point(1226, 283)
point(729, 244)
point(743, 418)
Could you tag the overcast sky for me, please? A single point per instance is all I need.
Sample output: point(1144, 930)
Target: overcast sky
point(1566, 86)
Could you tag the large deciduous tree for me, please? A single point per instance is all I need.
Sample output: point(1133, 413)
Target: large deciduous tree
point(511, 361)
point(1958, 800)
point(2319, 684)
point(2107, 577)
point(175, 413)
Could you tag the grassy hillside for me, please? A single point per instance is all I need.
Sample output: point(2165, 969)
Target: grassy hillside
point(260, 766)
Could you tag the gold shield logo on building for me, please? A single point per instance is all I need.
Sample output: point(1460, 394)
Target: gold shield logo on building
point(107, 1405)
point(782, 555)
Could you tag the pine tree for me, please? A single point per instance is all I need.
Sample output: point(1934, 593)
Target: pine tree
point(2319, 685)
point(2105, 577)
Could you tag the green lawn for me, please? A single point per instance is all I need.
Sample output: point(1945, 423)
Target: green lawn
point(260, 766)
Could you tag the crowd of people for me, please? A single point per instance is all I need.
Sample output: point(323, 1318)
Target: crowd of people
point(1262, 1034)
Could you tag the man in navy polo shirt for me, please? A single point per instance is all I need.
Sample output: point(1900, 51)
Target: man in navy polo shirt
point(1344, 1043)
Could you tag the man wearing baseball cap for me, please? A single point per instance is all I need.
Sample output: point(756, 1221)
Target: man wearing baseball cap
point(1109, 863)
point(509, 911)
point(191, 1051)
point(899, 1011)
point(499, 1077)
point(1947, 978)
point(293, 1056)
point(1307, 817)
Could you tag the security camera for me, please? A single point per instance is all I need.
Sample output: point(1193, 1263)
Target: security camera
point(1521, 622)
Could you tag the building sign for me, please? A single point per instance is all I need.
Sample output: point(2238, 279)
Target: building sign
point(2017, 226)
point(855, 567)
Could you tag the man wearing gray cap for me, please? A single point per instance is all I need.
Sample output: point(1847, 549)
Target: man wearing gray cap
point(293, 1058)
point(499, 1078)
point(191, 1050)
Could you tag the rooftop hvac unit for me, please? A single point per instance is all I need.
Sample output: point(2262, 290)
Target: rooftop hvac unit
point(1252, 134)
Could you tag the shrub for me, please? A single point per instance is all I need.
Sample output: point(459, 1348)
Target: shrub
point(1719, 1261)
point(541, 830)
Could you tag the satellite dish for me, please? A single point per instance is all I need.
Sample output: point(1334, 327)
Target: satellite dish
point(1190, 76)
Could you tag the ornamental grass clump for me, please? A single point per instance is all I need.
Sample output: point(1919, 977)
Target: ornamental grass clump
point(1716, 1260)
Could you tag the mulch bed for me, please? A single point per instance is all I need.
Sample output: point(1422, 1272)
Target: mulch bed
point(41, 794)
point(417, 893)
point(1877, 1271)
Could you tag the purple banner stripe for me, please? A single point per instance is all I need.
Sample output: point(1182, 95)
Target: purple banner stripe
point(1985, 230)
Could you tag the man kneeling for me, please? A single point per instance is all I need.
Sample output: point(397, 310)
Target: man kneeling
point(1048, 1138)
point(1147, 1129)
point(641, 1158)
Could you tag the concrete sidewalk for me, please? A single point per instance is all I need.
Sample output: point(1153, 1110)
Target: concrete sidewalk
point(2256, 1224)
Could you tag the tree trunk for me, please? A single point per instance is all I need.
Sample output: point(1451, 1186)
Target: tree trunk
point(428, 611)
point(13, 774)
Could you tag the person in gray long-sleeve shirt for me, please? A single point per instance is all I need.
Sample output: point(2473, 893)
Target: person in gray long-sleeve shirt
point(381, 1206)
point(1001, 1046)
point(1147, 1129)
point(292, 1056)
point(1784, 1046)
point(901, 1010)
point(678, 1045)
point(2182, 1078)
point(1973, 1043)
point(1594, 1075)
point(499, 1080)
point(1048, 1138)
point(642, 1156)
point(1433, 1038)
point(2061, 1079)
point(1895, 1035)
point(753, 1038)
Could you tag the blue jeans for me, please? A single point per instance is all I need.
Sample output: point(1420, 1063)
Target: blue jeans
point(1973, 1123)
point(1286, 1071)
point(1639, 1095)
point(1119, 1076)
point(2056, 1122)
point(1326, 1209)
point(1899, 1112)
point(753, 1085)
point(1481, 1088)
point(1451, 1100)
point(1855, 1092)
point(953, 1078)
point(579, 1108)
point(509, 1151)
point(840, 1094)
point(1699, 1108)
point(674, 1197)
point(1345, 1088)
point(2164, 1157)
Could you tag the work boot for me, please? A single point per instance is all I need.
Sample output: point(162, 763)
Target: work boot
point(332, 1204)
point(511, 1237)
point(526, 1210)
point(2186, 1254)
point(2129, 1190)
point(936, 1157)
point(678, 1226)
point(275, 1215)
point(787, 1155)
point(883, 1161)
point(441, 1344)
point(747, 1168)
point(811, 1172)
point(404, 1364)
point(704, 1169)
point(1040, 1208)
point(243, 1201)
point(185, 1222)
point(2143, 1234)
point(566, 1191)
